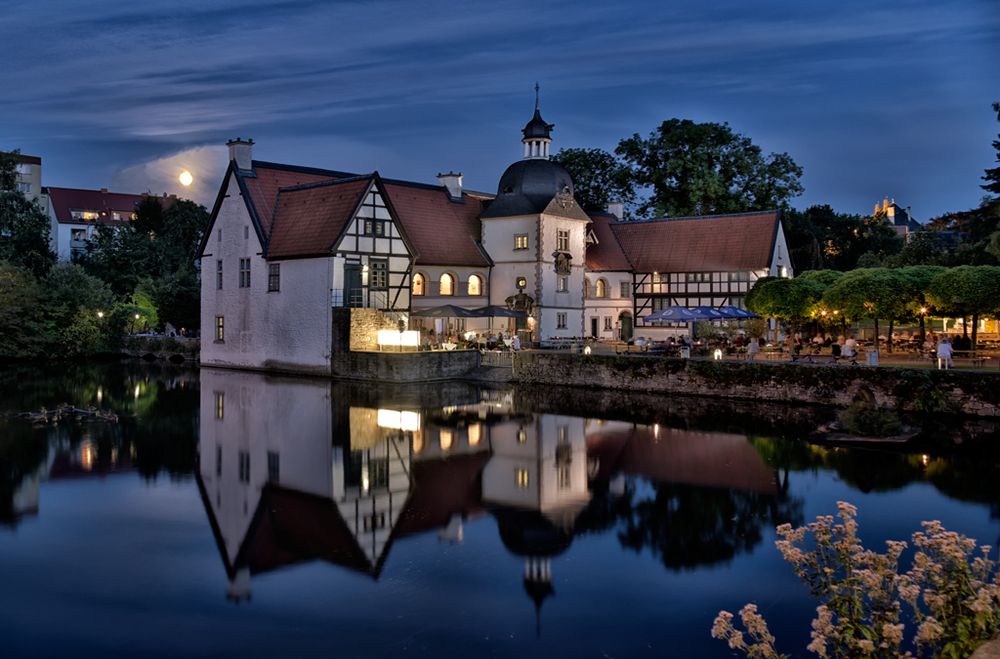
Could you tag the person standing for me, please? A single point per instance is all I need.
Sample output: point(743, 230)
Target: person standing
point(944, 353)
point(753, 349)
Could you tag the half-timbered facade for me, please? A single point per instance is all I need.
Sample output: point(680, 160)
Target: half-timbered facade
point(700, 261)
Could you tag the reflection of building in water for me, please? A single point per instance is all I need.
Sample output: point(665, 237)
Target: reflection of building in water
point(536, 484)
point(290, 474)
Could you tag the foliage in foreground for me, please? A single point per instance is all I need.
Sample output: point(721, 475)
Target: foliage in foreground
point(951, 592)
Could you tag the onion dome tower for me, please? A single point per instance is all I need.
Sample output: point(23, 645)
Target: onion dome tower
point(537, 134)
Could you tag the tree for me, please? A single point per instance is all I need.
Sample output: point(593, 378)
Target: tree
point(918, 280)
point(969, 291)
point(792, 300)
point(21, 326)
point(869, 293)
point(598, 178)
point(700, 169)
point(821, 238)
point(24, 226)
point(992, 175)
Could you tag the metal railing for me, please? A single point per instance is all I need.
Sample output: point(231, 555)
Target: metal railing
point(355, 298)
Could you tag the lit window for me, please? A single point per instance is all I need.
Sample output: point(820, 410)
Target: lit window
point(475, 285)
point(273, 277)
point(220, 329)
point(522, 435)
point(447, 284)
point(218, 274)
point(447, 439)
point(562, 285)
point(562, 240)
point(375, 228)
point(418, 284)
point(244, 273)
point(374, 522)
point(220, 405)
point(378, 275)
point(475, 433)
point(601, 289)
point(561, 320)
point(521, 241)
point(521, 478)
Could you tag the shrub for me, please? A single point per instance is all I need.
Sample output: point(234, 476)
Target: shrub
point(952, 592)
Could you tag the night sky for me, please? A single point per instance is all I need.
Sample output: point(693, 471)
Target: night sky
point(872, 98)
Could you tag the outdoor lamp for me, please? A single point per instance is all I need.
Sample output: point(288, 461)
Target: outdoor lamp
point(717, 354)
point(100, 314)
point(586, 350)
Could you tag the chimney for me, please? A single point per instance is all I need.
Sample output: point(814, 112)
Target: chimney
point(104, 191)
point(241, 151)
point(453, 183)
point(617, 208)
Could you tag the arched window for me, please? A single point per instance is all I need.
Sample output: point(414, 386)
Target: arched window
point(447, 284)
point(418, 284)
point(475, 285)
point(586, 288)
point(601, 289)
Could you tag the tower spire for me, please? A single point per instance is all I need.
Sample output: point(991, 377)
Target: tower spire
point(537, 133)
point(536, 96)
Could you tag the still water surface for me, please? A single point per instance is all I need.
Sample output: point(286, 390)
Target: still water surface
point(233, 514)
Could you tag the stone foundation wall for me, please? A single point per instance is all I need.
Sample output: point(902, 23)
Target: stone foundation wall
point(911, 390)
point(364, 327)
point(405, 366)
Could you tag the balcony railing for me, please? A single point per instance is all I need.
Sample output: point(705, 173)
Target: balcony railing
point(355, 298)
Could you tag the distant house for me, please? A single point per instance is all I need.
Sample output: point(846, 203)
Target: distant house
point(76, 213)
point(899, 218)
point(29, 176)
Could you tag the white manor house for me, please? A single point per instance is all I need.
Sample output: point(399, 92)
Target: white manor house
point(289, 245)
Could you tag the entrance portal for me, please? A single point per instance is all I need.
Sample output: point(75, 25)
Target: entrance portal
point(625, 320)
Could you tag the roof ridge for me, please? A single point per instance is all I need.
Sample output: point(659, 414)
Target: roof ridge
point(331, 182)
point(699, 217)
point(302, 169)
point(99, 191)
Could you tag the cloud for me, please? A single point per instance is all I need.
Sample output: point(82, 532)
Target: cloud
point(206, 163)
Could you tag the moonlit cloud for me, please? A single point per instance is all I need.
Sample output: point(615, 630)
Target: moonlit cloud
point(207, 164)
point(872, 98)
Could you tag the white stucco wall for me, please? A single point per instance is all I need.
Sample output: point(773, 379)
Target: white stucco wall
point(285, 329)
point(611, 306)
point(780, 257)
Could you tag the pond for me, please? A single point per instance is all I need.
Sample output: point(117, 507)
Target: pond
point(236, 514)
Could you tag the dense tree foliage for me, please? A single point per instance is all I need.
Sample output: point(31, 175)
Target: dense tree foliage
point(821, 238)
point(703, 168)
point(967, 291)
point(154, 255)
point(598, 178)
point(992, 175)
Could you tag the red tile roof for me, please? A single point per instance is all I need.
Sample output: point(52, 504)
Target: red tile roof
point(743, 241)
point(66, 200)
point(269, 178)
point(607, 254)
point(443, 232)
point(308, 220)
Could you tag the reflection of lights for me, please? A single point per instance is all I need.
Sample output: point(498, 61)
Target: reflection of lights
point(87, 454)
point(923, 309)
point(418, 442)
point(656, 431)
point(475, 433)
point(925, 459)
point(100, 394)
point(136, 392)
point(447, 438)
point(521, 478)
point(364, 481)
point(398, 420)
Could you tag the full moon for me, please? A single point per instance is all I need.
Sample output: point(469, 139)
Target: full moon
point(185, 178)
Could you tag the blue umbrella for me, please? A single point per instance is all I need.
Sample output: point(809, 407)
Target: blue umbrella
point(708, 313)
point(673, 314)
point(736, 312)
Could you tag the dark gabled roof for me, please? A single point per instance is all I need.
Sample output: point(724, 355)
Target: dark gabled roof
point(710, 243)
point(268, 178)
point(607, 254)
point(442, 231)
point(66, 200)
point(309, 219)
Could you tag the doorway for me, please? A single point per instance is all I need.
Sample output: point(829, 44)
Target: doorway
point(593, 327)
point(625, 319)
point(353, 292)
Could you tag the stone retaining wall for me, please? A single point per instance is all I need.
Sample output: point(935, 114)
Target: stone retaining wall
point(404, 366)
point(911, 390)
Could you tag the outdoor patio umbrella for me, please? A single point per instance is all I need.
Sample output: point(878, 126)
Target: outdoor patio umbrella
point(445, 311)
point(675, 314)
point(708, 313)
point(737, 313)
point(497, 311)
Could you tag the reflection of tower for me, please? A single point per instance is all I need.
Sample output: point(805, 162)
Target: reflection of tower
point(537, 482)
point(538, 585)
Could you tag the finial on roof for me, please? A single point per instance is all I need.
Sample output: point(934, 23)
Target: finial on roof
point(536, 96)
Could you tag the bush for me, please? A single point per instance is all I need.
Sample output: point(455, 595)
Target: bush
point(952, 593)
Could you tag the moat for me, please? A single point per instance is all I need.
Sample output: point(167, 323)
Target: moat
point(236, 514)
